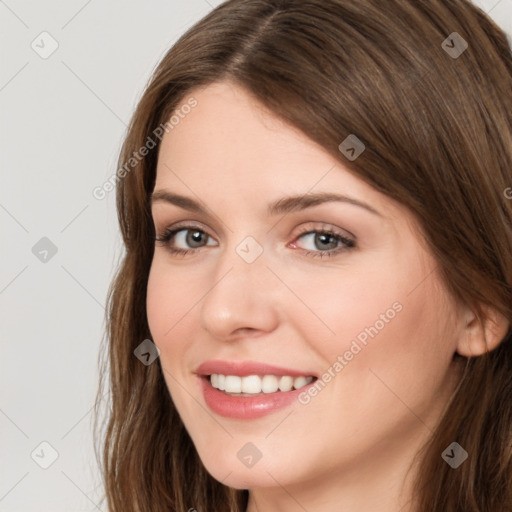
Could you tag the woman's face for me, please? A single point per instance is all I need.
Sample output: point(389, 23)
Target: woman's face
point(278, 286)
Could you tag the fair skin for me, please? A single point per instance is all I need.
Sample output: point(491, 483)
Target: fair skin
point(349, 448)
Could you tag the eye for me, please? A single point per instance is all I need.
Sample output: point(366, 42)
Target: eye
point(190, 238)
point(324, 242)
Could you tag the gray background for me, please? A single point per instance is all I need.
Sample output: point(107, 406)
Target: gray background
point(63, 118)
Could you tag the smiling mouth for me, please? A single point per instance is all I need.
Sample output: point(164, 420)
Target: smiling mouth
point(254, 385)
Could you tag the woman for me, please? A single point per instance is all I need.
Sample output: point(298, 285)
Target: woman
point(313, 310)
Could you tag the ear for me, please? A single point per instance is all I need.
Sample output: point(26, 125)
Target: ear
point(482, 334)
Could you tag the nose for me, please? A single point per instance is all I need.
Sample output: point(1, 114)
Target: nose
point(242, 299)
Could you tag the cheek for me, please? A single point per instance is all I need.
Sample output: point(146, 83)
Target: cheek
point(373, 312)
point(165, 294)
point(171, 300)
point(345, 303)
point(167, 301)
point(156, 300)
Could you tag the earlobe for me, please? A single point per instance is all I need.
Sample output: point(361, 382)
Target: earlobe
point(482, 334)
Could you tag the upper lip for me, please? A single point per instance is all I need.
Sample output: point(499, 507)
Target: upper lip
point(244, 368)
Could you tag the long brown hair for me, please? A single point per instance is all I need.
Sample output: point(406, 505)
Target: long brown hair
point(438, 134)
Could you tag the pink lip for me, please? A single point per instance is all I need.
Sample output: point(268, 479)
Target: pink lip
point(247, 407)
point(244, 368)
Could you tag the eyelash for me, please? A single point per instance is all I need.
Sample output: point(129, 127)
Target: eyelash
point(169, 233)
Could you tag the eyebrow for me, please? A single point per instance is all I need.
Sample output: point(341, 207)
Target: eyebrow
point(281, 206)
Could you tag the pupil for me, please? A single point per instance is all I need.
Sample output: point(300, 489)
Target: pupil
point(194, 237)
point(324, 238)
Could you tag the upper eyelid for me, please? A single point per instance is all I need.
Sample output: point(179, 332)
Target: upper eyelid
point(180, 225)
point(323, 227)
point(199, 225)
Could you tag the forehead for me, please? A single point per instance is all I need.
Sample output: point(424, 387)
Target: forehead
point(230, 144)
point(230, 125)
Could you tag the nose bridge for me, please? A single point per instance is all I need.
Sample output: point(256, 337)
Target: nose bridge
point(239, 295)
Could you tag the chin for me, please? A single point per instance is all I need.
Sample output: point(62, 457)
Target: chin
point(237, 476)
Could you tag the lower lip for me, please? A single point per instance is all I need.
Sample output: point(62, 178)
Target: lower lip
point(247, 407)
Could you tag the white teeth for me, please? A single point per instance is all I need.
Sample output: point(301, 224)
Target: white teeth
point(255, 384)
point(285, 383)
point(269, 384)
point(299, 382)
point(233, 384)
point(251, 384)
